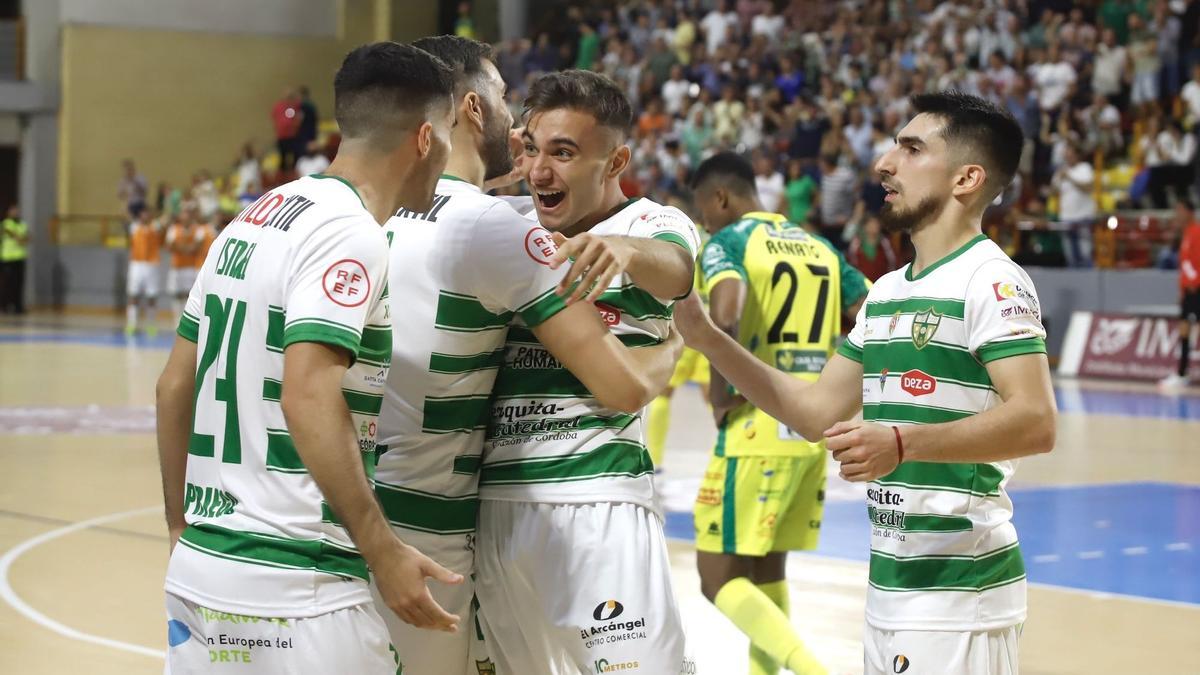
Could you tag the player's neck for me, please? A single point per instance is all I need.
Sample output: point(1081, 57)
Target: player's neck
point(614, 200)
point(379, 197)
point(466, 166)
point(942, 237)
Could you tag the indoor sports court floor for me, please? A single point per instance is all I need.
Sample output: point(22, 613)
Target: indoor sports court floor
point(1109, 522)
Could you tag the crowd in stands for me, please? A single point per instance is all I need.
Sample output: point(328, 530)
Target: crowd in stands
point(1108, 94)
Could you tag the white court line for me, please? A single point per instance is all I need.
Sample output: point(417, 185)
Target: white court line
point(10, 596)
point(1135, 550)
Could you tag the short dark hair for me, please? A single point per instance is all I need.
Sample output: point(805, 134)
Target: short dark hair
point(985, 132)
point(584, 91)
point(464, 55)
point(730, 168)
point(384, 83)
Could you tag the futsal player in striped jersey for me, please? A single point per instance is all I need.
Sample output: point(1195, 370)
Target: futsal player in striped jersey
point(947, 362)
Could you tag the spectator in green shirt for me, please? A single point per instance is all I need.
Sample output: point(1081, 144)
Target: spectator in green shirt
point(589, 46)
point(801, 190)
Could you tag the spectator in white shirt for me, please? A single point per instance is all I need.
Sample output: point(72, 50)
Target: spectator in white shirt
point(768, 24)
point(675, 91)
point(1075, 181)
point(769, 183)
point(1055, 79)
point(1191, 97)
point(859, 136)
point(1110, 65)
point(717, 25)
point(1101, 123)
point(1169, 159)
point(1000, 74)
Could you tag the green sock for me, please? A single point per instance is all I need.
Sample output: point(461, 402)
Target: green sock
point(761, 662)
point(769, 629)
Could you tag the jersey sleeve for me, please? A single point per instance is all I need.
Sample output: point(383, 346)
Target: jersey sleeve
point(336, 277)
point(193, 309)
point(724, 257)
point(852, 346)
point(1002, 313)
point(668, 224)
point(510, 260)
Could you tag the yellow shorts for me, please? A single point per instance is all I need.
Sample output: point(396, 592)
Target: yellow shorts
point(691, 367)
point(755, 505)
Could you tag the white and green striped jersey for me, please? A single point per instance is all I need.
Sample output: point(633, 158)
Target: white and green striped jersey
point(549, 439)
point(459, 275)
point(944, 553)
point(304, 263)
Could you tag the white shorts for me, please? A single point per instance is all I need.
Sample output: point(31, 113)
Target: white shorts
point(430, 652)
point(142, 280)
point(576, 588)
point(180, 280)
point(887, 652)
point(351, 640)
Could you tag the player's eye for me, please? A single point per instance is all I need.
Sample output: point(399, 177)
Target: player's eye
point(530, 150)
point(563, 154)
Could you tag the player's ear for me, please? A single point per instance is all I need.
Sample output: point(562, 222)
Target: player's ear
point(424, 140)
point(471, 110)
point(970, 179)
point(619, 161)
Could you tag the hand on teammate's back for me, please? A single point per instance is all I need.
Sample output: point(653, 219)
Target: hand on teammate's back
point(596, 262)
point(401, 582)
point(865, 450)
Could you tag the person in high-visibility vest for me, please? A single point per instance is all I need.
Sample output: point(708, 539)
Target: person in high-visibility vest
point(14, 250)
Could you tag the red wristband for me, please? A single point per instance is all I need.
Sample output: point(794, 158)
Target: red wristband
point(899, 445)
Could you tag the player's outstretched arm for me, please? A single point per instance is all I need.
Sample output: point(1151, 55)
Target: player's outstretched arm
point(619, 377)
point(661, 268)
point(725, 303)
point(173, 394)
point(806, 407)
point(320, 425)
point(1024, 424)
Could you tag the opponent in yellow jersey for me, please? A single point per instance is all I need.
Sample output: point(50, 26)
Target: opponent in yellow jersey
point(780, 292)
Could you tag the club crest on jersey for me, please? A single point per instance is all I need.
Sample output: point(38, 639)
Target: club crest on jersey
point(925, 324)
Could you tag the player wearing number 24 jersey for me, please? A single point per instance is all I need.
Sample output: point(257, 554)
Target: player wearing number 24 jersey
point(268, 403)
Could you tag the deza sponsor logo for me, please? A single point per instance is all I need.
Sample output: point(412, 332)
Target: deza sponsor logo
point(917, 383)
point(610, 630)
point(611, 315)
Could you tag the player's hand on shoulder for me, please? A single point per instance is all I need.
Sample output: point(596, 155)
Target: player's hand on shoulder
point(692, 321)
point(597, 261)
point(865, 450)
point(401, 581)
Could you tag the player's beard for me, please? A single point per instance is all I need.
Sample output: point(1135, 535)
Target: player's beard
point(497, 155)
point(895, 220)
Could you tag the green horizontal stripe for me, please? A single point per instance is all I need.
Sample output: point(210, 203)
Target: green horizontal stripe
point(467, 464)
point(541, 381)
point(357, 402)
point(275, 321)
point(455, 414)
point(946, 307)
point(189, 328)
point(274, 551)
point(427, 512)
point(636, 303)
point(947, 573)
point(616, 458)
point(995, 351)
point(376, 346)
point(674, 238)
point(911, 412)
point(930, 522)
point(452, 364)
point(338, 336)
point(977, 479)
point(522, 335)
point(281, 453)
point(850, 351)
point(542, 308)
point(934, 360)
point(464, 313)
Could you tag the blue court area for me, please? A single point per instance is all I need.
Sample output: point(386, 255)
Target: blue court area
point(1140, 539)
